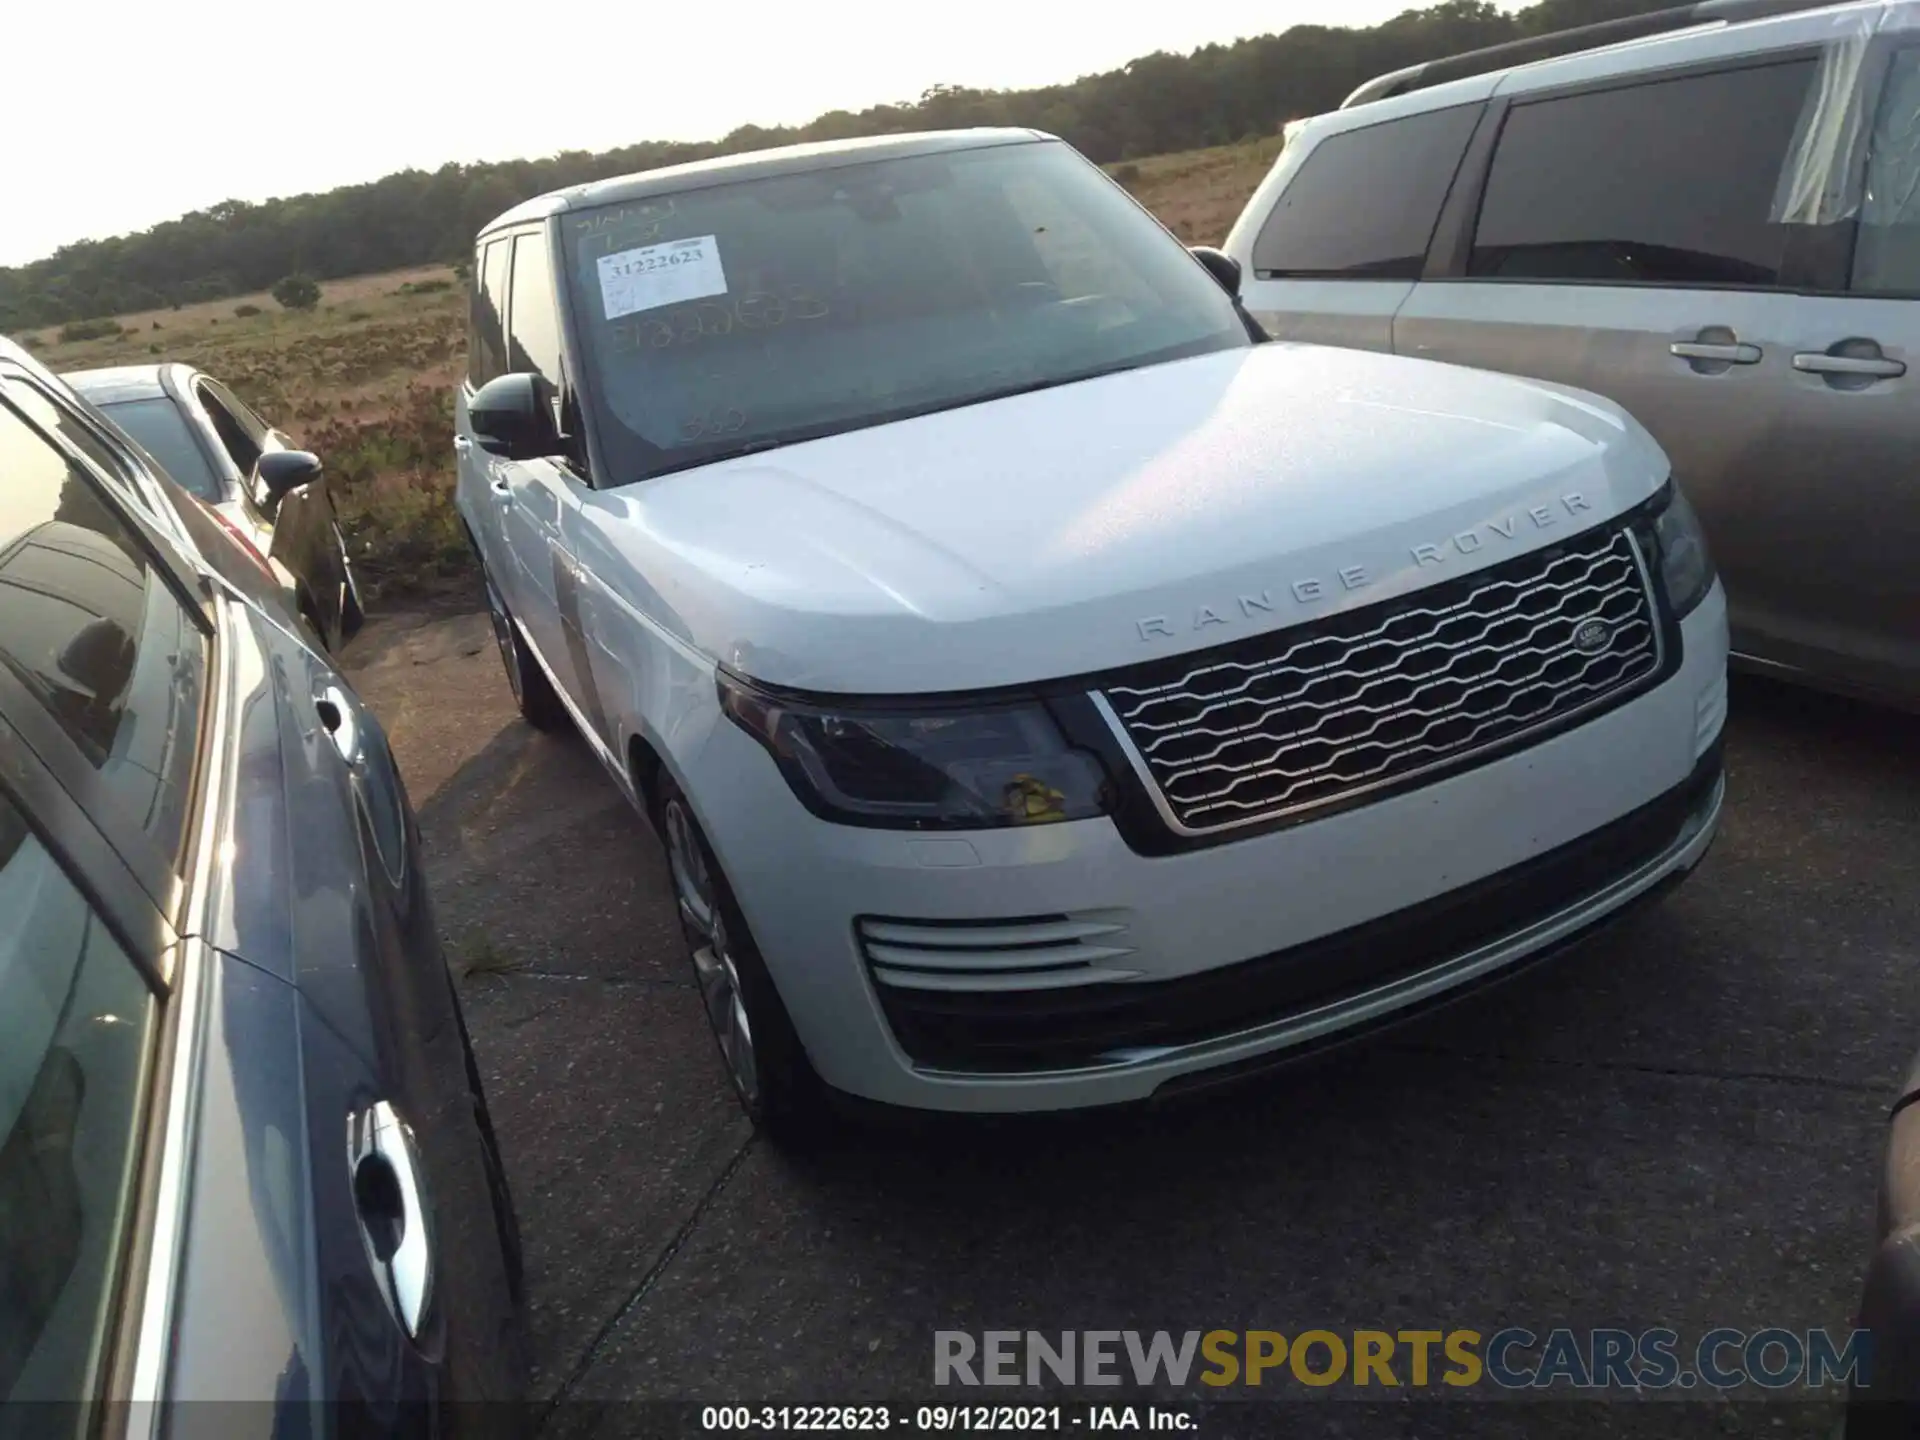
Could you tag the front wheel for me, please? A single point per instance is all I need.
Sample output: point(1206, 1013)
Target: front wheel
point(765, 1062)
point(533, 693)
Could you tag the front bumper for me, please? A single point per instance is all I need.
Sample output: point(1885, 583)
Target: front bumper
point(1232, 955)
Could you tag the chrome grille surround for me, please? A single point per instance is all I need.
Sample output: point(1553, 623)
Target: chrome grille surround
point(1317, 715)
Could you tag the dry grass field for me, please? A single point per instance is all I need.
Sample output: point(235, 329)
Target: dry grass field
point(1198, 193)
point(367, 379)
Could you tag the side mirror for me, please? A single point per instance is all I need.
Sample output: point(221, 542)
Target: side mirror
point(281, 472)
point(509, 417)
point(1222, 266)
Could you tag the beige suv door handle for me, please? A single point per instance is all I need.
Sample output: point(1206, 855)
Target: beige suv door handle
point(1818, 362)
point(1732, 354)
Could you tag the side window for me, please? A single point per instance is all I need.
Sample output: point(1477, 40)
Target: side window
point(1668, 183)
point(1362, 205)
point(75, 1020)
point(533, 324)
point(257, 429)
point(60, 419)
point(236, 437)
point(487, 330)
point(161, 429)
point(1886, 259)
point(90, 626)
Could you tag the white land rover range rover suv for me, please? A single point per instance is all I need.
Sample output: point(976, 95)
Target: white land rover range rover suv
point(1047, 692)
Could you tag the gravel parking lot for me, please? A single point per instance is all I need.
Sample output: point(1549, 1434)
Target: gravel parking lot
point(1677, 1125)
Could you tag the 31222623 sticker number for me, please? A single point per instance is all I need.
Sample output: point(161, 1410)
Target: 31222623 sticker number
point(669, 273)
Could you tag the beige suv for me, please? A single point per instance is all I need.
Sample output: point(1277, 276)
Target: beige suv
point(1716, 225)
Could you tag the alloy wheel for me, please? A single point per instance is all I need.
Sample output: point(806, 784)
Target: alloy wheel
point(713, 960)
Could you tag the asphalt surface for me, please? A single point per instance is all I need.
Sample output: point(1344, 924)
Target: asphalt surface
point(1678, 1124)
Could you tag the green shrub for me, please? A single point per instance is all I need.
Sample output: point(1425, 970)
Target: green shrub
point(246, 312)
point(296, 292)
point(88, 330)
point(423, 287)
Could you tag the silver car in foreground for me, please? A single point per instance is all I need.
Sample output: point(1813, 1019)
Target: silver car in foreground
point(248, 1177)
point(1716, 227)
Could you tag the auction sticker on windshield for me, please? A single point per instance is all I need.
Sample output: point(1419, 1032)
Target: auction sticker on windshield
point(663, 274)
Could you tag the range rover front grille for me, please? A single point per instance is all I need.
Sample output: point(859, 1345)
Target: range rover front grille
point(1315, 715)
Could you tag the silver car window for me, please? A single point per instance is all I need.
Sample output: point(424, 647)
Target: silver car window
point(1887, 258)
point(60, 419)
point(163, 433)
point(76, 1018)
point(90, 627)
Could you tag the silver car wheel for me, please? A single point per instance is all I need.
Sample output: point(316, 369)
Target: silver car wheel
point(713, 961)
point(503, 636)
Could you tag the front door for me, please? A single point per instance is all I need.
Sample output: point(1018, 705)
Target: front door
point(481, 477)
point(541, 492)
point(537, 496)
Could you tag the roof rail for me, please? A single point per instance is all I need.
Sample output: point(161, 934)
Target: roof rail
point(1568, 42)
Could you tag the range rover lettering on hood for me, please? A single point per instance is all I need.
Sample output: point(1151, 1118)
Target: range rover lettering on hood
point(1313, 589)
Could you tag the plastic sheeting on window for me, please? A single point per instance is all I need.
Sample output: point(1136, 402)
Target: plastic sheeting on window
point(1824, 177)
point(1887, 255)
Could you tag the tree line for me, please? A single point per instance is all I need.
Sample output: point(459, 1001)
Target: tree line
point(1158, 103)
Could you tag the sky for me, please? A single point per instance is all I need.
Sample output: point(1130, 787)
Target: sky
point(174, 110)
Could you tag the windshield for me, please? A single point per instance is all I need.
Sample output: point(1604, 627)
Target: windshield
point(762, 312)
point(162, 432)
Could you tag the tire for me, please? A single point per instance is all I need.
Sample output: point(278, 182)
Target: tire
point(533, 693)
point(761, 1052)
point(506, 1214)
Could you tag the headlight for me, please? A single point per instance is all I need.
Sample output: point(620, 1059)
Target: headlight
point(969, 767)
point(1685, 566)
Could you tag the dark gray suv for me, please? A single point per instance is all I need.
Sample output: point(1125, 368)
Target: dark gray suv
point(244, 1149)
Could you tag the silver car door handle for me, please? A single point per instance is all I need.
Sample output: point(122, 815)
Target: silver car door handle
point(1741, 354)
point(500, 488)
point(390, 1193)
point(1818, 363)
point(336, 718)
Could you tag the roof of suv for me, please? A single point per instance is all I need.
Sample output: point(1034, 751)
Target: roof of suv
point(112, 384)
point(1712, 39)
point(757, 165)
point(1707, 39)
